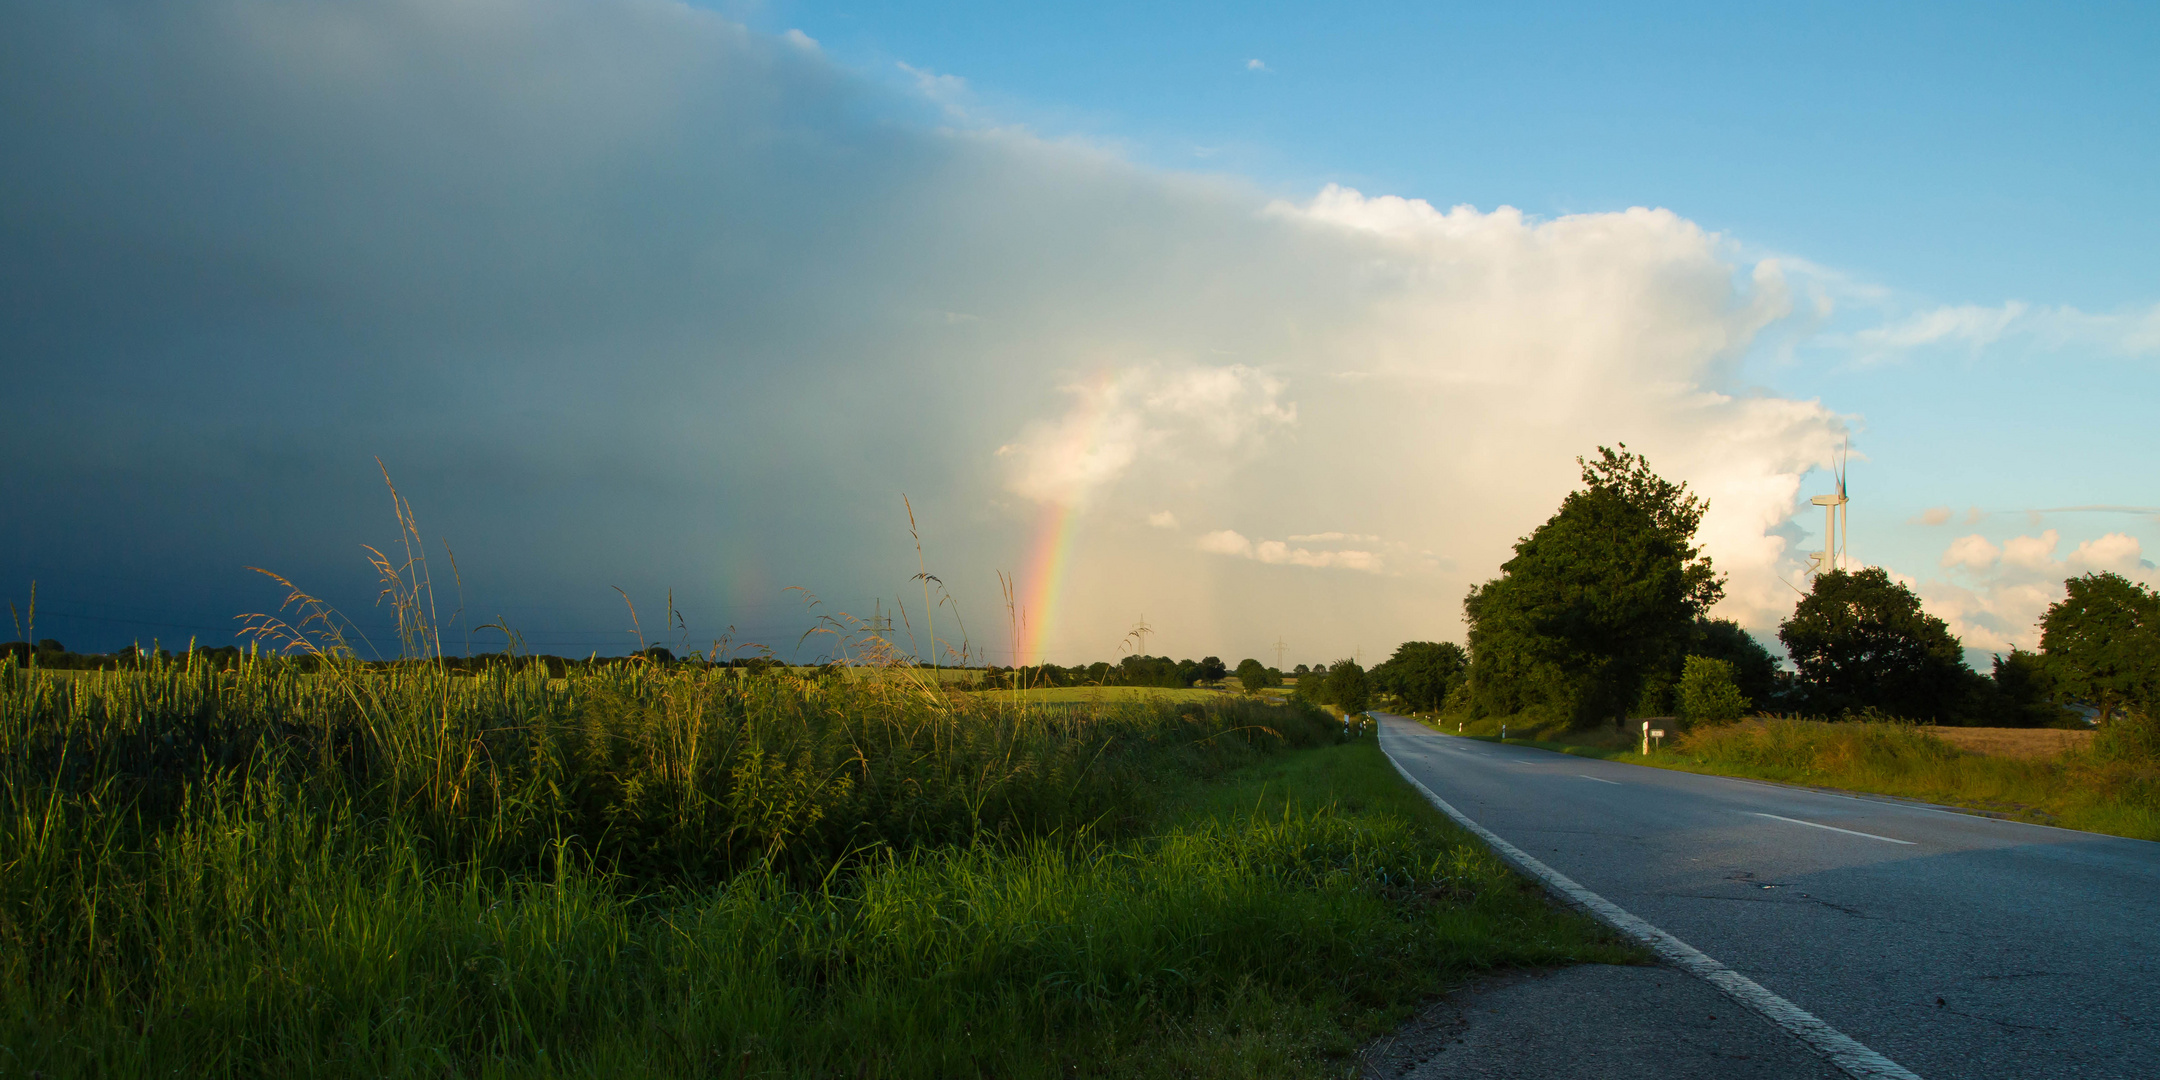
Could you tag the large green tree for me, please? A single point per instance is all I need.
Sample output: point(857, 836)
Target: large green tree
point(1421, 673)
point(2102, 644)
point(1599, 604)
point(1348, 687)
point(1253, 675)
point(1860, 640)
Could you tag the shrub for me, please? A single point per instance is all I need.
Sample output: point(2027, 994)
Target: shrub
point(1708, 694)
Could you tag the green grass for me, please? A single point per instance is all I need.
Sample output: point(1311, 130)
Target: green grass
point(644, 872)
point(2091, 791)
point(1091, 695)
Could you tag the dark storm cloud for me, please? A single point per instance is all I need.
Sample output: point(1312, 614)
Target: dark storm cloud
point(619, 291)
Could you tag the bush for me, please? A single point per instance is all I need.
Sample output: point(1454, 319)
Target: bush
point(2129, 737)
point(1708, 694)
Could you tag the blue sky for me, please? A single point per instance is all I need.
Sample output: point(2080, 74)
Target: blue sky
point(633, 293)
point(1959, 152)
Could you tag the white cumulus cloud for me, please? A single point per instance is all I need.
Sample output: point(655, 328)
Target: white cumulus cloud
point(1996, 594)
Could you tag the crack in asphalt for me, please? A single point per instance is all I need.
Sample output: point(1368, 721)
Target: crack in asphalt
point(1999, 1023)
point(1854, 912)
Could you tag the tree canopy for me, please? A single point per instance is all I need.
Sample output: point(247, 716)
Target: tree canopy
point(1598, 607)
point(2102, 643)
point(1348, 687)
point(1754, 668)
point(1422, 673)
point(1860, 640)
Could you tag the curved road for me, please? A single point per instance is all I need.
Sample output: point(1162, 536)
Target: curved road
point(1957, 946)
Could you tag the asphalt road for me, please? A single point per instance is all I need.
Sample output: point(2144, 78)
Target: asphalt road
point(1958, 946)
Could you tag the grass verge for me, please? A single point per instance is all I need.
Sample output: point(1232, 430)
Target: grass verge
point(640, 873)
point(2077, 789)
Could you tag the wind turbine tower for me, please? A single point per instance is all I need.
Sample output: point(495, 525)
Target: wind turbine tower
point(1835, 550)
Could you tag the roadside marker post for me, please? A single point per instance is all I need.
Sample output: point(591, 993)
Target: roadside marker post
point(1646, 738)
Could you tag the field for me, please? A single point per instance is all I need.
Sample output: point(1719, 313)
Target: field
point(653, 872)
point(2016, 742)
point(1106, 695)
point(2081, 785)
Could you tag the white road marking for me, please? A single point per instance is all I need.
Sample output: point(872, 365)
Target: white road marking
point(1833, 828)
point(1601, 780)
point(1841, 1049)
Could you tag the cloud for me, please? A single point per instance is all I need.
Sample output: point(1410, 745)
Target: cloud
point(1163, 519)
point(1996, 595)
point(2118, 553)
point(1971, 552)
point(1255, 65)
point(949, 92)
point(1178, 416)
point(2033, 553)
point(800, 40)
point(1278, 553)
point(1934, 515)
point(1966, 325)
point(628, 294)
point(2129, 332)
point(1225, 542)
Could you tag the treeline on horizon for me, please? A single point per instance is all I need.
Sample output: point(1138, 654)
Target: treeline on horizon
point(1602, 616)
point(1137, 670)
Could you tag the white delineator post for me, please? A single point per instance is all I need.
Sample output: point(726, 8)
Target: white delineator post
point(1646, 738)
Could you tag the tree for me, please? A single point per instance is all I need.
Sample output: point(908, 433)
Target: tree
point(1599, 604)
point(1312, 685)
point(1150, 671)
point(2102, 643)
point(1210, 669)
point(1708, 694)
point(1347, 687)
point(1254, 676)
point(2024, 692)
point(1861, 641)
point(1421, 673)
point(1754, 668)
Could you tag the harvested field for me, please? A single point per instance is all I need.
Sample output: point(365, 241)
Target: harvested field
point(2015, 742)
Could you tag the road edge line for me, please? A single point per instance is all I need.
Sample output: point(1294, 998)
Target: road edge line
point(1840, 1049)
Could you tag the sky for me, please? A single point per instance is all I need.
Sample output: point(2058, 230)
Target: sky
point(1260, 323)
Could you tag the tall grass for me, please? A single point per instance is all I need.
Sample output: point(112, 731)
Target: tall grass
point(2104, 790)
point(656, 871)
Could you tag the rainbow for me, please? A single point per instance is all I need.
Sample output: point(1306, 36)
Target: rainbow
point(1045, 580)
point(1051, 554)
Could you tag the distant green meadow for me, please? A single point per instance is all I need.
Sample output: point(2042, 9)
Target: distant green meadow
point(663, 870)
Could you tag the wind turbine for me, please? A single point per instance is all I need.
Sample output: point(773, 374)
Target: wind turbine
point(1835, 540)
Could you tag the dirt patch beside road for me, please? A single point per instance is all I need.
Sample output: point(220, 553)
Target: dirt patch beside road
point(1595, 1020)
